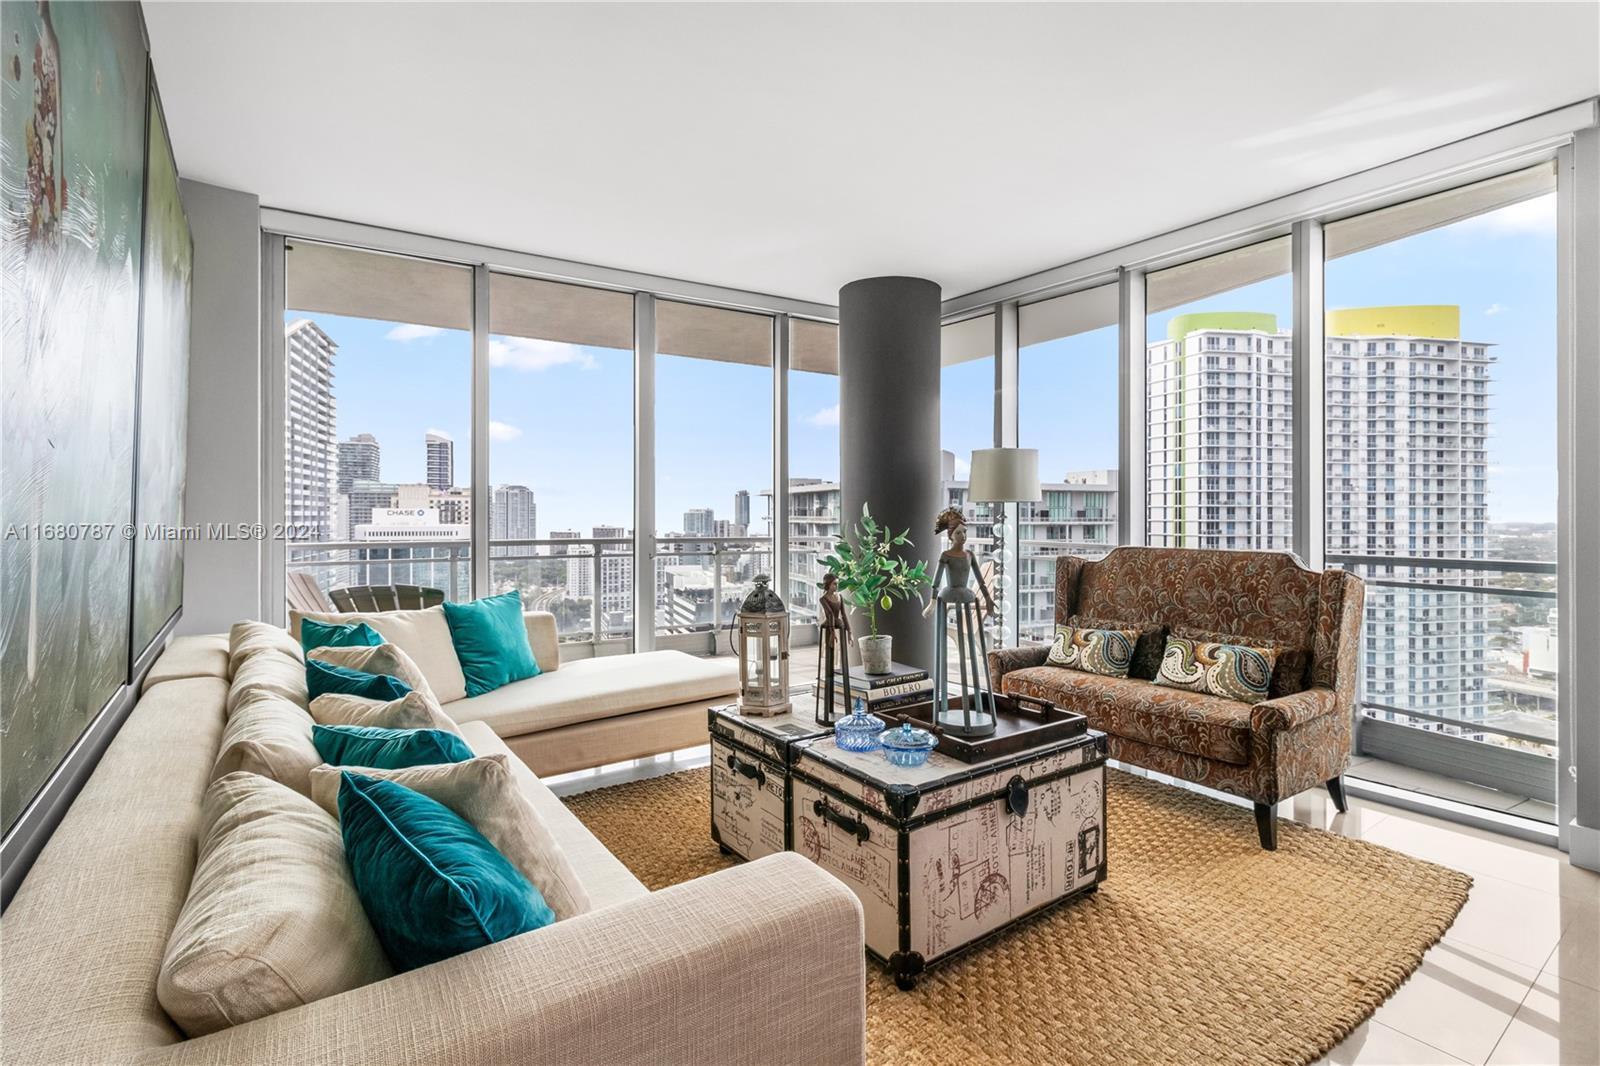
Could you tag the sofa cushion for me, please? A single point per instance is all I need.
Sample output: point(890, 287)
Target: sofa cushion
point(386, 749)
point(482, 791)
point(1290, 673)
point(1233, 671)
point(268, 673)
point(1108, 652)
point(1146, 652)
point(323, 677)
point(602, 687)
point(271, 736)
point(1189, 722)
point(414, 710)
point(491, 641)
point(250, 638)
point(315, 634)
point(386, 659)
point(185, 657)
point(424, 635)
point(433, 887)
point(272, 919)
point(605, 880)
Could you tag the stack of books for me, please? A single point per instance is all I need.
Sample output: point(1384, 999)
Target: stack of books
point(901, 687)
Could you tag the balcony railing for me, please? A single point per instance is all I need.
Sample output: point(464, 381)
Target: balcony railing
point(587, 582)
point(1459, 669)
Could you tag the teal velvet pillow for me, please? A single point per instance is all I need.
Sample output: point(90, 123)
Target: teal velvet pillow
point(387, 749)
point(324, 677)
point(491, 641)
point(337, 635)
point(432, 886)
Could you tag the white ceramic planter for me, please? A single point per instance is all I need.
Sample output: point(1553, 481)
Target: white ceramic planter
point(876, 653)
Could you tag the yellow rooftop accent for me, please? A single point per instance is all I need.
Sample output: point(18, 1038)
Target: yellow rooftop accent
point(1415, 320)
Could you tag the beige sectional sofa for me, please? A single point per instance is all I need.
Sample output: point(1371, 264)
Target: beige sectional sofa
point(573, 715)
point(762, 963)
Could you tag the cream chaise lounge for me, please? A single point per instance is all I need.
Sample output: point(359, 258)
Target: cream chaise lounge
point(762, 963)
point(574, 715)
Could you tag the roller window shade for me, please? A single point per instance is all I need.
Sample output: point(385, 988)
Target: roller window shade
point(1067, 316)
point(329, 279)
point(1217, 274)
point(698, 332)
point(1360, 232)
point(553, 311)
point(813, 346)
point(964, 341)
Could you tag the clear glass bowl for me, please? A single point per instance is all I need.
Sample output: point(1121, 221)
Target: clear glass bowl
point(908, 745)
point(858, 731)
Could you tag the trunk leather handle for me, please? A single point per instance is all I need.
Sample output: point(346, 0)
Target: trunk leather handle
point(748, 769)
point(854, 826)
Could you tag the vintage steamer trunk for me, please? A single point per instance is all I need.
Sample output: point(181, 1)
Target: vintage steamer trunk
point(750, 778)
point(947, 854)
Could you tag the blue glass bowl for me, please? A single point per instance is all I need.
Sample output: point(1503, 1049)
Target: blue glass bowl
point(857, 731)
point(908, 745)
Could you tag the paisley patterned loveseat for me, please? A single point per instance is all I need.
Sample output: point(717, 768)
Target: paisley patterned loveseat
point(1295, 740)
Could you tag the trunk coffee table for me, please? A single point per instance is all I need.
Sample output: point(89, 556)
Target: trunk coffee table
point(942, 856)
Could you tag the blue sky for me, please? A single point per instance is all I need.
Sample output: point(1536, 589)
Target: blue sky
point(562, 415)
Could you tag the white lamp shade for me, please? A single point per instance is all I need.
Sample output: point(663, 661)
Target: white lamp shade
point(1004, 475)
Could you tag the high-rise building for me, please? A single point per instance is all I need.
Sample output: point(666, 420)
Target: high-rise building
point(741, 509)
point(616, 579)
point(358, 460)
point(1220, 433)
point(454, 506)
point(699, 521)
point(1077, 516)
point(441, 460)
point(513, 515)
point(310, 452)
point(363, 497)
point(1407, 419)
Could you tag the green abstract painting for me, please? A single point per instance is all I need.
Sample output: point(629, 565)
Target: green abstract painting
point(72, 150)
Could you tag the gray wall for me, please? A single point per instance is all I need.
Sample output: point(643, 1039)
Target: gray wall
point(889, 429)
point(222, 578)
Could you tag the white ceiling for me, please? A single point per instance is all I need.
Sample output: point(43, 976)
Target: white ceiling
point(789, 149)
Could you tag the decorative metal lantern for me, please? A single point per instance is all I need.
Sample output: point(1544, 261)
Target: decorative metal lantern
point(762, 628)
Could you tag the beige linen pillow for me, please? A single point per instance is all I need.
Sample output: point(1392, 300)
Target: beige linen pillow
point(483, 791)
point(252, 638)
point(268, 673)
point(377, 659)
point(269, 735)
point(423, 635)
point(414, 710)
point(272, 920)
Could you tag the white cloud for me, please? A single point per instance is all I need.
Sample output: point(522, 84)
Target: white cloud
point(1536, 216)
point(503, 431)
point(828, 416)
point(1494, 309)
point(523, 353)
point(412, 332)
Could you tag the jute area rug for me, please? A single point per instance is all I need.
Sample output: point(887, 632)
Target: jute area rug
point(1199, 948)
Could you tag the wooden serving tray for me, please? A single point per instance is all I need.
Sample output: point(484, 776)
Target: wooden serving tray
point(1021, 723)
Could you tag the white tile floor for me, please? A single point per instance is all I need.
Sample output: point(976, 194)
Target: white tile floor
point(1516, 979)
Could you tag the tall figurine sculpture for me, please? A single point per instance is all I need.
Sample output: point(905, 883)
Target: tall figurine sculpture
point(835, 628)
point(953, 593)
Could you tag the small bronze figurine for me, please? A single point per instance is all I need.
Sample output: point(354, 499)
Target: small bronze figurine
point(952, 592)
point(835, 626)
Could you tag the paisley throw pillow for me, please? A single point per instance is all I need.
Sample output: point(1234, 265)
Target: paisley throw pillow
point(1097, 651)
point(1232, 671)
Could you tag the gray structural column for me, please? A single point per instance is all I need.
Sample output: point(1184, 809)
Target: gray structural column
point(889, 429)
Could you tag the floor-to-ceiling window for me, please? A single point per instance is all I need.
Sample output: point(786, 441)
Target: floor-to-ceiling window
point(1441, 453)
point(377, 422)
point(1067, 408)
point(561, 452)
point(813, 459)
point(1218, 369)
point(713, 458)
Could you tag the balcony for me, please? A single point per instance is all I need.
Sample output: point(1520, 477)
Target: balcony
point(587, 582)
point(1458, 694)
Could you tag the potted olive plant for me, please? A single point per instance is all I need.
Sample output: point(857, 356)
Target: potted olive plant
point(872, 576)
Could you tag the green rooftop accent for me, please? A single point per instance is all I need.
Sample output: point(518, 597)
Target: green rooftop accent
point(1183, 325)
